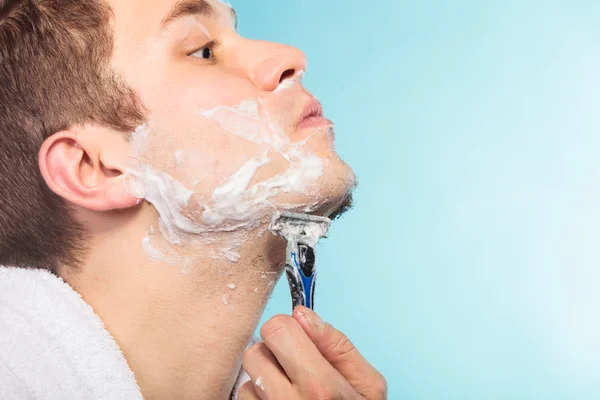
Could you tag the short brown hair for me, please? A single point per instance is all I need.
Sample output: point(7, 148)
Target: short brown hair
point(54, 74)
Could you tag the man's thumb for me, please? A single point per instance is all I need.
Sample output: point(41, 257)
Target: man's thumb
point(342, 354)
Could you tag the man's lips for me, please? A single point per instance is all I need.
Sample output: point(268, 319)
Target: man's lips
point(312, 115)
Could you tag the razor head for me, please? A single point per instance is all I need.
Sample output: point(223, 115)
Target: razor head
point(301, 227)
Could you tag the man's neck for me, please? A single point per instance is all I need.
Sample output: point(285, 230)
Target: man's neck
point(182, 329)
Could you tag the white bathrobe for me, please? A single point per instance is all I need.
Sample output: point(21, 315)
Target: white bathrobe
point(54, 347)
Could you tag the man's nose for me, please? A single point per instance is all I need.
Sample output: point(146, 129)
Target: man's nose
point(270, 63)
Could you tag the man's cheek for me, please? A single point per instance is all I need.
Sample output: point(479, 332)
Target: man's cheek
point(205, 171)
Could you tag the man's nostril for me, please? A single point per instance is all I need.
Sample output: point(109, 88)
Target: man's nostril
point(287, 74)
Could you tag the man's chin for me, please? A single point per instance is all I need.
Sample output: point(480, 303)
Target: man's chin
point(334, 210)
point(338, 205)
point(331, 196)
point(343, 207)
point(340, 195)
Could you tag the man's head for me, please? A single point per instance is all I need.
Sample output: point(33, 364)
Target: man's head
point(164, 103)
point(54, 75)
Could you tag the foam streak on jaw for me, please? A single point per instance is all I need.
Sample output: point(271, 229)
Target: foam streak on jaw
point(228, 199)
point(150, 250)
point(234, 204)
point(169, 197)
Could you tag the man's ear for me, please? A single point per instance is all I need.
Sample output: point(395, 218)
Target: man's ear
point(89, 169)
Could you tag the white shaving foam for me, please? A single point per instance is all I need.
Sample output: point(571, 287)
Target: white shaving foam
point(289, 83)
point(180, 157)
point(157, 256)
point(139, 138)
point(228, 198)
point(235, 205)
point(231, 255)
point(286, 84)
point(169, 197)
point(244, 120)
point(150, 250)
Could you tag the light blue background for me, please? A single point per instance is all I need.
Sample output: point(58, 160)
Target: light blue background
point(470, 267)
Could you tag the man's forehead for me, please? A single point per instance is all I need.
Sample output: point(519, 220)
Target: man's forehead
point(218, 8)
point(163, 12)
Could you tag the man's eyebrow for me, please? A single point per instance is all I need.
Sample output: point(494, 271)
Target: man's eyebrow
point(187, 7)
point(192, 7)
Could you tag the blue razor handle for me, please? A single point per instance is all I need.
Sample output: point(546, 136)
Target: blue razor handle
point(301, 273)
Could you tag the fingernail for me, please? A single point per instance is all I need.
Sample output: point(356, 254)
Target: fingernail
point(317, 325)
point(301, 314)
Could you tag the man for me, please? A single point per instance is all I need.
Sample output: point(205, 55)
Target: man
point(145, 146)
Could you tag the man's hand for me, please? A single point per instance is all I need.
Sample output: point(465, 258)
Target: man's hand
point(304, 358)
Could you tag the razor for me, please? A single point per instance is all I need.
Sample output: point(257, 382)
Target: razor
point(302, 232)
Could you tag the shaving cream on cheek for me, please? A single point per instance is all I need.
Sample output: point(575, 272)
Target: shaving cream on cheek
point(234, 201)
point(139, 139)
point(244, 120)
point(234, 204)
point(180, 158)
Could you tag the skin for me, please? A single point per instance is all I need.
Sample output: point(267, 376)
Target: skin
point(303, 357)
point(174, 317)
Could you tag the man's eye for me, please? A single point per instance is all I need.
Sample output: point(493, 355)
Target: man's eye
point(206, 52)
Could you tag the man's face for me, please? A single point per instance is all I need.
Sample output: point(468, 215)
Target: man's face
point(227, 141)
